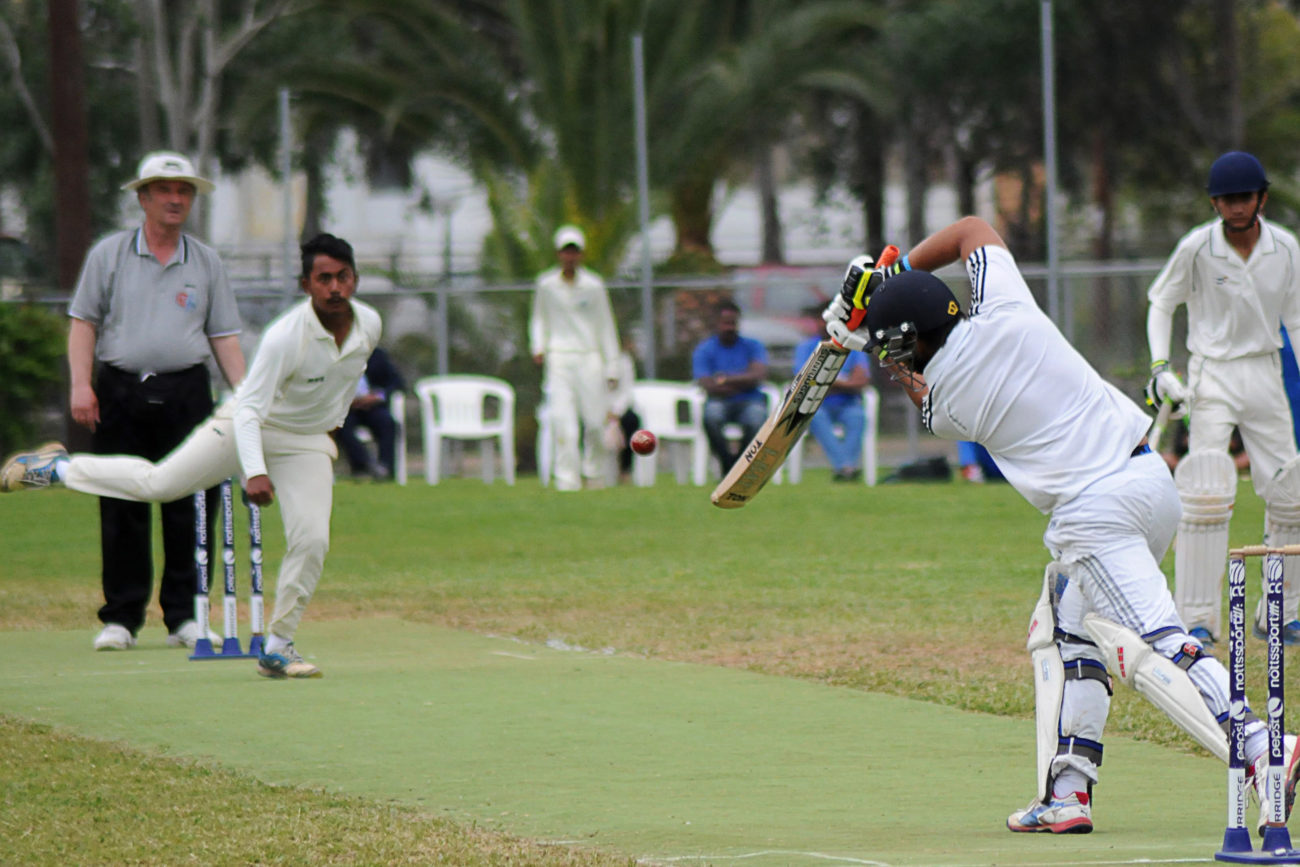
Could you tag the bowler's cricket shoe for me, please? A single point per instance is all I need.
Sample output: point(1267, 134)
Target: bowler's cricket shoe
point(1259, 776)
point(1069, 815)
point(32, 469)
point(285, 663)
point(1290, 632)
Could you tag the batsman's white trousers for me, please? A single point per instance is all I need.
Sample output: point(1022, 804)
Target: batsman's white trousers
point(1112, 537)
point(300, 467)
point(578, 400)
point(1246, 393)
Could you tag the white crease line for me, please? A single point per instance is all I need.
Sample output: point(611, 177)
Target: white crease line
point(821, 856)
point(514, 655)
point(844, 859)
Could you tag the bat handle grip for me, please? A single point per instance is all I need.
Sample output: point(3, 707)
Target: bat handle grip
point(888, 256)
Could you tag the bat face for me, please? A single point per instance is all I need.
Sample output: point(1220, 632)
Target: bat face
point(778, 435)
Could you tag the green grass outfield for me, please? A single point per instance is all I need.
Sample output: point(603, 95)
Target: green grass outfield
point(834, 674)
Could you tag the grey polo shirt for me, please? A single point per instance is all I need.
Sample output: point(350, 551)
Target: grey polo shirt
point(149, 317)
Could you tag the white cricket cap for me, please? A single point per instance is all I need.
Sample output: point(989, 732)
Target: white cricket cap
point(168, 166)
point(566, 235)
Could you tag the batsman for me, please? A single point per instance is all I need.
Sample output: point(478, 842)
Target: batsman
point(1073, 445)
point(1238, 276)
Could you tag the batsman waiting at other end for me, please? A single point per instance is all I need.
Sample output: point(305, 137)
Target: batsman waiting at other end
point(1238, 276)
point(1075, 447)
point(275, 431)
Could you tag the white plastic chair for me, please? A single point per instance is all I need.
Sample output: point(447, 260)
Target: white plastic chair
point(735, 432)
point(674, 413)
point(455, 408)
point(871, 405)
point(545, 443)
point(397, 407)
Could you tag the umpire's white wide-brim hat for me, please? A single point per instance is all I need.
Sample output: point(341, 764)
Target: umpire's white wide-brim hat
point(168, 166)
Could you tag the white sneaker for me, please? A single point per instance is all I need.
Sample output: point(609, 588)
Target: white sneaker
point(1069, 815)
point(187, 635)
point(114, 636)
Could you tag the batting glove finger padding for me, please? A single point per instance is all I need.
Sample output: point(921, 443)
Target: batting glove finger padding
point(846, 338)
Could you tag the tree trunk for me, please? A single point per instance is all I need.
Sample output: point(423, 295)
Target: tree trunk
point(871, 170)
point(71, 141)
point(1103, 197)
point(769, 205)
point(1228, 43)
point(914, 173)
point(692, 212)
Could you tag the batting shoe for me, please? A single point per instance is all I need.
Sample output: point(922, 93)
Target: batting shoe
point(31, 469)
point(285, 663)
point(1069, 815)
point(1290, 776)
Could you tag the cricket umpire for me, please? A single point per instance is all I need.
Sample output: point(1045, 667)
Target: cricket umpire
point(151, 306)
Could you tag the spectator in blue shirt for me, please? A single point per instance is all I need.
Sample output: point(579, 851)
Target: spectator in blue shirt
point(730, 368)
point(842, 407)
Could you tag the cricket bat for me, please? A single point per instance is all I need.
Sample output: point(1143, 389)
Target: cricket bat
point(1158, 426)
point(765, 453)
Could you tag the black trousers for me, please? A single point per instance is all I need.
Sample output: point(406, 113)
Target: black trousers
point(382, 426)
point(147, 419)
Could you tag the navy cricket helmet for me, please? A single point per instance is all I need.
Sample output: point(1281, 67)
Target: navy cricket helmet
point(907, 306)
point(917, 297)
point(1236, 172)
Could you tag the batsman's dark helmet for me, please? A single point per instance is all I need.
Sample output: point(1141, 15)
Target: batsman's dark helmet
point(1236, 172)
point(917, 297)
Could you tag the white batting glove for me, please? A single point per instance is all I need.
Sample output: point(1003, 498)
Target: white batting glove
point(850, 340)
point(1165, 386)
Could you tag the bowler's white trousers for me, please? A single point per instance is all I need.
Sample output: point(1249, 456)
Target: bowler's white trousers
point(577, 398)
point(300, 467)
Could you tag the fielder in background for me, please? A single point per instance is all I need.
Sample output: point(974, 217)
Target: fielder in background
point(842, 407)
point(275, 432)
point(151, 306)
point(730, 368)
point(1238, 277)
point(571, 334)
point(1075, 447)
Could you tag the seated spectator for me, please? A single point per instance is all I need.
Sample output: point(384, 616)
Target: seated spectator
point(730, 368)
point(370, 411)
point(842, 407)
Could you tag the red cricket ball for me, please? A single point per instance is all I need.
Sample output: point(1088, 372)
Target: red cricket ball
point(643, 442)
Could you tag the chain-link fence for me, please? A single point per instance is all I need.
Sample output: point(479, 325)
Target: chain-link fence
point(440, 323)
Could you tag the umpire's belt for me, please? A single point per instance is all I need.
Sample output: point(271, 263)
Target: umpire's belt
point(106, 369)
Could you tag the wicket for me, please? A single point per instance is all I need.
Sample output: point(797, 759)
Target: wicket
point(230, 647)
point(1276, 846)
